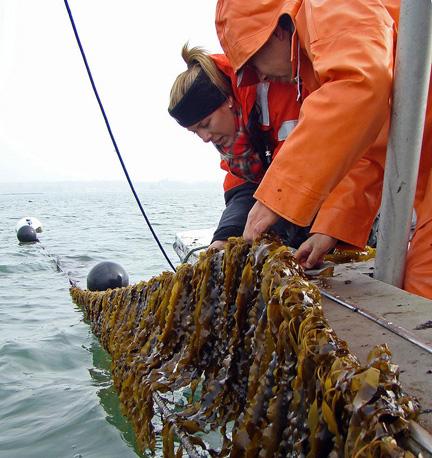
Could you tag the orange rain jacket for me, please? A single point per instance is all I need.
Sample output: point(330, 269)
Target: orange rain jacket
point(333, 161)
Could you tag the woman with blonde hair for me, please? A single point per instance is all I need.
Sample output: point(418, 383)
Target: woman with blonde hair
point(247, 125)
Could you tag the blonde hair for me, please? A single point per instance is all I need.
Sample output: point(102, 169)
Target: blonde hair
point(196, 59)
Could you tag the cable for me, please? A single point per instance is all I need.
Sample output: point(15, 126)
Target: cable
point(112, 136)
point(58, 265)
point(193, 250)
point(183, 437)
point(398, 330)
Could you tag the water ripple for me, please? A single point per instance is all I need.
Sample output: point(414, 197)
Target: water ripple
point(56, 394)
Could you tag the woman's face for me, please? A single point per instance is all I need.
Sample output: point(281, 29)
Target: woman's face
point(219, 127)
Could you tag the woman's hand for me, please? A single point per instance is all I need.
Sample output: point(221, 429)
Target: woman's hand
point(311, 253)
point(259, 219)
point(218, 244)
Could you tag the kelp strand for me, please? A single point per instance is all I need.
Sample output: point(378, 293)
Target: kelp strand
point(341, 255)
point(244, 331)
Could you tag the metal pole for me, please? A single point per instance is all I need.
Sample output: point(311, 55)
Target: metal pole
point(412, 74)
point(420, 436)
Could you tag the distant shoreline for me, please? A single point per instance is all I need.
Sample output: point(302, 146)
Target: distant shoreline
point(40, 187)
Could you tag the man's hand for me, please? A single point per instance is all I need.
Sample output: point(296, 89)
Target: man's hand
point(218, 244)
point(311, 253)
point(259, 219)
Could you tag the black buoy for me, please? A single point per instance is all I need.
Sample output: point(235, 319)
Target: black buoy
point(26, 234)
point(106, 275)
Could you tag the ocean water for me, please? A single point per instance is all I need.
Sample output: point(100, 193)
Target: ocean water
point(56, 394)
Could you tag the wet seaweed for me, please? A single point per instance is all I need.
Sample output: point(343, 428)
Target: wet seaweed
point(342, 255)
point(243, 331)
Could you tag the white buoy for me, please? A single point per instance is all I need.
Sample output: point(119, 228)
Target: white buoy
point(29, 221)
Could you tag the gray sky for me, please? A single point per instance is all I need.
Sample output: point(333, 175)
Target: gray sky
point(50, 124)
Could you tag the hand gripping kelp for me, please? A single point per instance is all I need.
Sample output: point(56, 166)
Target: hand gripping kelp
point(244, 330)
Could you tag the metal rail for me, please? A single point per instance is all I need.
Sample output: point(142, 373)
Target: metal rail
point(421, 438)
point(412, 74)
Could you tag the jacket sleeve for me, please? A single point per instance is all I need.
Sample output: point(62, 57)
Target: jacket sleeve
point(351, 51)
point(349, 211)
point(239, 201)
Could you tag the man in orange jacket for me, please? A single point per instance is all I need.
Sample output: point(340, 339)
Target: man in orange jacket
point(331, 166)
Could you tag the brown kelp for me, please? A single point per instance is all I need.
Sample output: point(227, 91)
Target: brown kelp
point(244, 330)
point(340, 255)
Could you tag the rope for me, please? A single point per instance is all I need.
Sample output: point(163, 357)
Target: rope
point(182, 436)
point(112, 136)
point(193, 250)
point(58, 265)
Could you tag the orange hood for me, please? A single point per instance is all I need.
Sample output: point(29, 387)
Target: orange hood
point(244, 26)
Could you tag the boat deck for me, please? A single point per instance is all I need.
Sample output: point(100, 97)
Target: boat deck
point(409, 316)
